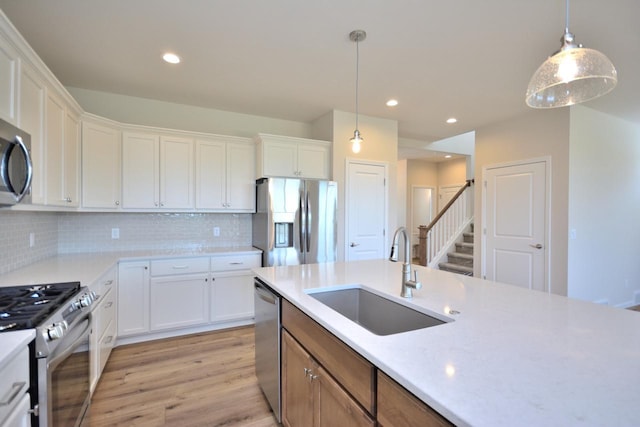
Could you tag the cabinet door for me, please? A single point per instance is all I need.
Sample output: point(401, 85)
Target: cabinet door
point(241, 177)
point(280, 159)
point(100, 166)
point(313, 161)
point(179, 301)
point(140, 176)
point(297, 386)
point(133, 298)
point(334, 406)
point(32, 98)
point(54, 148)
point(231, 296)
point(71, 160)
point(398, 407)
point(176, 173)
point(210, 174)
point(8, 81)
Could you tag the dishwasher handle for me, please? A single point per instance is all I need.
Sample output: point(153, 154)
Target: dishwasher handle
point(264, 294)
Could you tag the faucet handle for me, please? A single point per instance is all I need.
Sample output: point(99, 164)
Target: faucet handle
point(416, 284)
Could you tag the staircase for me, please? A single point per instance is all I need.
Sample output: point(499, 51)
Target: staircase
point(461, 261)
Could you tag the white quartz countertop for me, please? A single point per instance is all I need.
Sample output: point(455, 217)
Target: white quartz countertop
point(88, 267)
point(511, 357)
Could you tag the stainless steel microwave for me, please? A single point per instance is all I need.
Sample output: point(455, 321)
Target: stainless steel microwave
point(16, 169)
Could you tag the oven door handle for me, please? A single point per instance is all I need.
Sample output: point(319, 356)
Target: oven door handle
point(57, 359)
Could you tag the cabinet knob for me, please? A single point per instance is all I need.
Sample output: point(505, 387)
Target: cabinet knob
point(117, 202)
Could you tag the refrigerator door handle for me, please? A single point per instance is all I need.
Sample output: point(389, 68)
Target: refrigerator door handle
point(303, 224)
point(307, 224)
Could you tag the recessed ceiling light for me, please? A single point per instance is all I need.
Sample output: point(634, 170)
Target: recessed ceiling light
point(452, 120)
point(171, 58)
point(392, 103)
point(448, 156)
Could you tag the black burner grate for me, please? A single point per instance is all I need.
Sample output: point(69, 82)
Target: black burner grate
point(25, 307)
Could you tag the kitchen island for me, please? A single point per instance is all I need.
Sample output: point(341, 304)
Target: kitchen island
point(507, 356)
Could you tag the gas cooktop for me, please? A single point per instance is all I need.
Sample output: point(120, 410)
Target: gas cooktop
point(25, 307)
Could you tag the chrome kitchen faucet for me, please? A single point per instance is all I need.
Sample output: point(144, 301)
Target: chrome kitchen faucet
point(407, 284)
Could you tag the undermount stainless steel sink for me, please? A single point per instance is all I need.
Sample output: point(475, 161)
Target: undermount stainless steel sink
point(377, 314)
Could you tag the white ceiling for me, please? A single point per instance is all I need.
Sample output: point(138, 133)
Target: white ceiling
point(292, 59)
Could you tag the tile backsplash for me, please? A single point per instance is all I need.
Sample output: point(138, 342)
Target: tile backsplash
point(15, 230)
point(74, 232)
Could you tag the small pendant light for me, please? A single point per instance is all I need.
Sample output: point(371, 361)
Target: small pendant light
point(570, 76)
point(357, 36)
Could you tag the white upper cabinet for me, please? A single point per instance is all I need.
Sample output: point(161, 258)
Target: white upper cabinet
point(31, 120)
point(9, 65)
point(62, 147)
point(176, 172)
point(140, 170)
point(293, 157)
point(225, 174)
point(101, 145)
point(157, 172)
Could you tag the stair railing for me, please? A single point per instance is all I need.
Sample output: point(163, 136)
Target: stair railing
point(441, 232)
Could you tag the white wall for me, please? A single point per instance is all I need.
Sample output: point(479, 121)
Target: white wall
point(538, 133)
point(380, 145)
point(149, 112)
point(604, 208)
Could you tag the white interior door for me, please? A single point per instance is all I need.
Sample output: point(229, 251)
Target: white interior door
point(446, 193)
point(366, 211)
point(515, 221)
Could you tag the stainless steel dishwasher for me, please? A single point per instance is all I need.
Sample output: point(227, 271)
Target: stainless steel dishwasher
point(267, 332)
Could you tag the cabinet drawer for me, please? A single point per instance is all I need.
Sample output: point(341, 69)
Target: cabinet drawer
point(166, 267)
point(235, 262)
point(105, 345)
point(351, 370)
point(15, 381)
point(105, 313)
point(105, 283)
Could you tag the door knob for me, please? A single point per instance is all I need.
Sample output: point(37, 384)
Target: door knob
point(536, 246)
point(354, 244)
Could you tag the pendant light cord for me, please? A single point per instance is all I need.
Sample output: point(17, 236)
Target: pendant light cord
point(566, 25)
point(357, 74)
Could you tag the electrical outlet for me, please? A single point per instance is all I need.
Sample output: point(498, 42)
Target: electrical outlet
point(216, 231)
point(115, 233)
point(32, 240)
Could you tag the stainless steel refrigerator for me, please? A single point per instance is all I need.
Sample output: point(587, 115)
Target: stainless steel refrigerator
point(295, 221)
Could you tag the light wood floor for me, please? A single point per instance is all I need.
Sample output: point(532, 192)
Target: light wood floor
point(198, 380)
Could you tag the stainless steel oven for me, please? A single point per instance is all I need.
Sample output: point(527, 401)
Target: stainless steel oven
point(60, 313)
point(16, 169)
point(63, 378)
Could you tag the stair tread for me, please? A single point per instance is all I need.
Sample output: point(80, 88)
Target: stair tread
point(465, 244)
point(456, 267)
point(460, 255)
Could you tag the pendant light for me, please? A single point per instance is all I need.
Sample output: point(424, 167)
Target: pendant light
point(570, 76)
point(357, 36)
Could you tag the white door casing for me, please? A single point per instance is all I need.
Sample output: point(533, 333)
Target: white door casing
point(421, 210)
point(366, 213)
point(515, 224)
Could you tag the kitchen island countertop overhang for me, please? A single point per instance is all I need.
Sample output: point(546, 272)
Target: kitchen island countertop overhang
point(509, 356)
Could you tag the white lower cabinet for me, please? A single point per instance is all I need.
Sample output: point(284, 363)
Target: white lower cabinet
point(173, 296)
point(231, 296)
point(14, 391)
point(20, 416)
point(103, 331)
point(179, 301)
point(133, 298)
